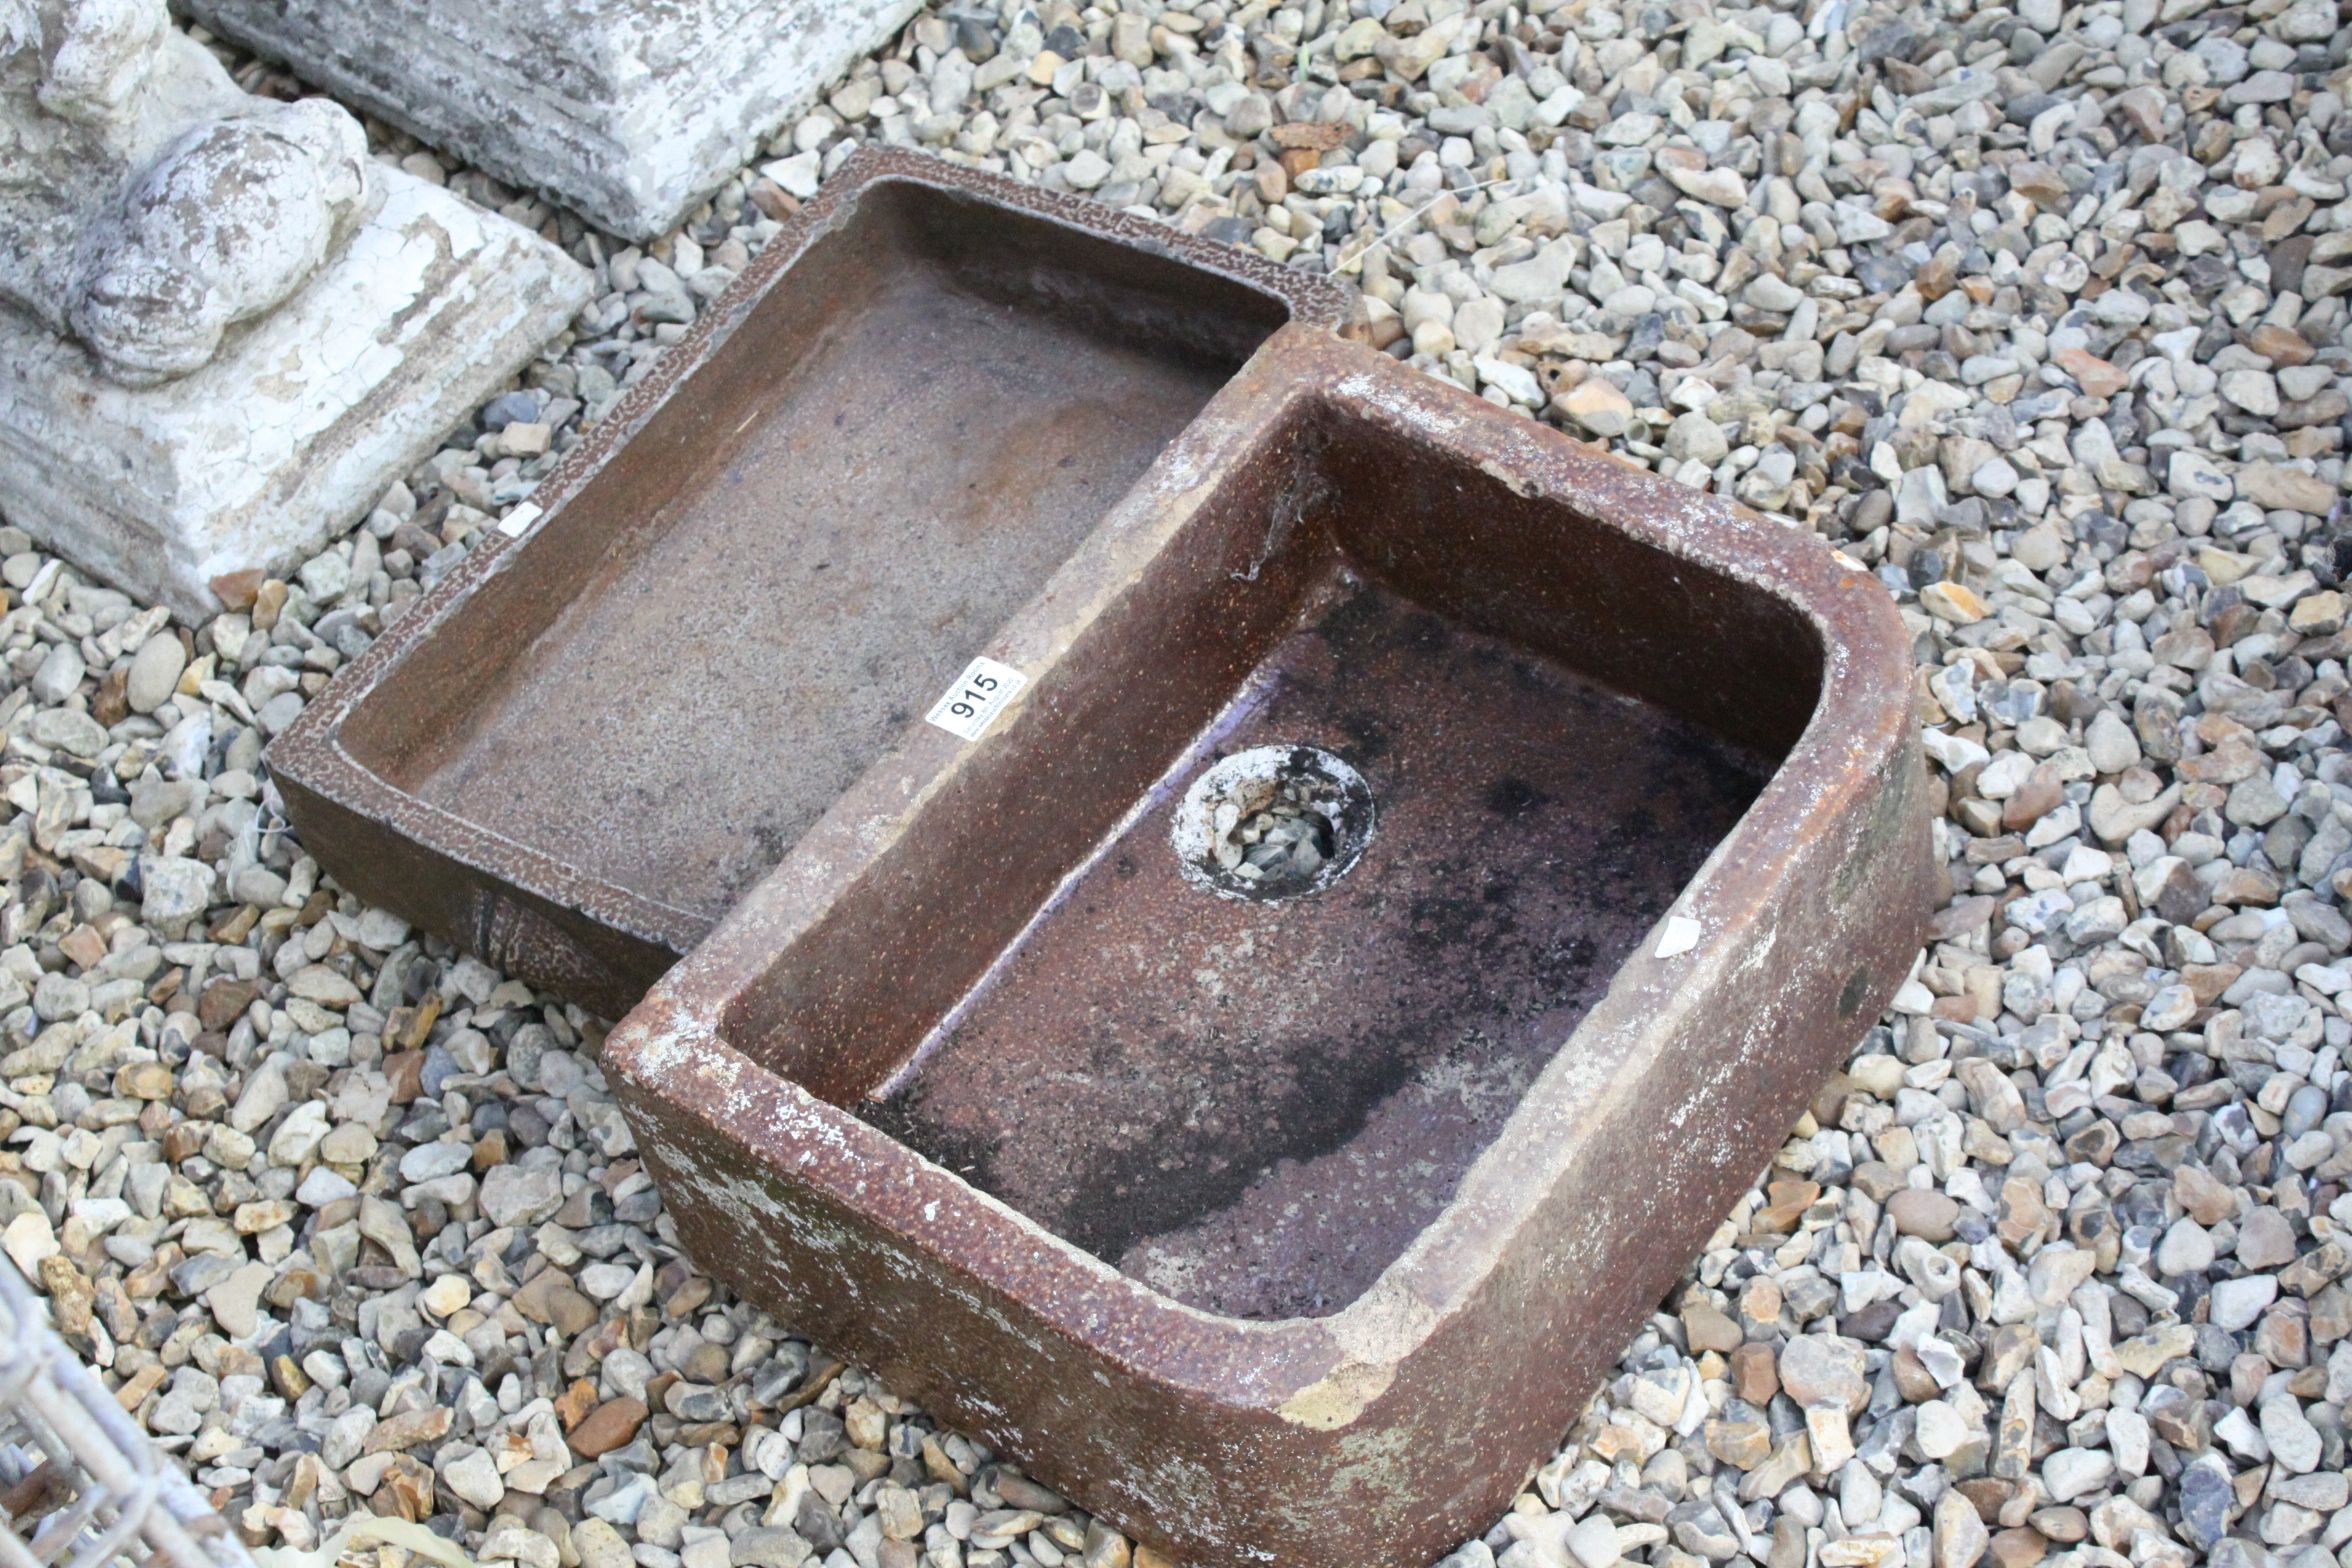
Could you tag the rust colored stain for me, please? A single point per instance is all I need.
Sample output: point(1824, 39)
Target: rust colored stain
point(1278, 1232)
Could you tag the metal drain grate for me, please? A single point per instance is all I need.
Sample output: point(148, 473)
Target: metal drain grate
point(80, 1485)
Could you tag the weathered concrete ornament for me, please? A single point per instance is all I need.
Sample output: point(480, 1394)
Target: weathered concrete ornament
point(223, 329)
point(626, 112)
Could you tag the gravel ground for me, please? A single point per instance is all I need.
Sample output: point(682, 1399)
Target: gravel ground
point(2039, 312)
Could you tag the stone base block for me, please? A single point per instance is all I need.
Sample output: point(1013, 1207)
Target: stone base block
point(295, 429)
point(625, 112)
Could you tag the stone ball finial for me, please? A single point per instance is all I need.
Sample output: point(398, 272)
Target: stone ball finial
point(152, 205)
point(224, 223)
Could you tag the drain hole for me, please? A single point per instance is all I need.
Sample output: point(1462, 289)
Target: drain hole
point(1273, 822)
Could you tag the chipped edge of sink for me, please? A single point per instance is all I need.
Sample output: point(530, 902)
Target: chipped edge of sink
point(1539, 1261)
point(516, 905)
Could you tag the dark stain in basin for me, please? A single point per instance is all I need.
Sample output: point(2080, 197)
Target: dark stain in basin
point(1254, 1107)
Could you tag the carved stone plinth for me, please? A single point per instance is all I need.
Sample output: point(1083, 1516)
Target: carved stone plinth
point(292, 433)
point(627, 112)
point(223, 329)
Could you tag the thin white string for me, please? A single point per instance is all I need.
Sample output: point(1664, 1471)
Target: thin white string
point(1417, 214)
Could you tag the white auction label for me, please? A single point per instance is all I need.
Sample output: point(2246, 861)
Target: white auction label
point(977, 697)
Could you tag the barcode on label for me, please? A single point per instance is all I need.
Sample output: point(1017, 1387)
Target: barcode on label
point(977, 697)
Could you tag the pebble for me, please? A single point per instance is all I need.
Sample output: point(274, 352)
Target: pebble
point(600, 1545)
point(155, 673)
point(1960, 1538)
point(2236, 1303)
point(1698, 439)
point(607, 1427)
point(1941, 1429)
point(1820, 1369)
point(2294, 1443)
point(1924, 1212)
point(1592, 1542)
point(58, 674)
point(2206, 1498)
point(2110, 743)
point(2187, 1248)
point(2266, 1240)
point(515, 1195)
point(1954, 602)
point(473, 1475)
point(2072, 1472)
point(1597, 408)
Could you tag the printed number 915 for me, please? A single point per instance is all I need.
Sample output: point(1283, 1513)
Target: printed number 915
point(971, 694)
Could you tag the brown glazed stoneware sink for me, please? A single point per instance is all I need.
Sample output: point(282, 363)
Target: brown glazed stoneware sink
point(1263, 1079)
point(893, 431)
point(1253, 908)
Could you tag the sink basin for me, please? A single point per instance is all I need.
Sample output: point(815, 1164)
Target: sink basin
point(1263, 1079)
point(1255, 1104)
point(924, 397)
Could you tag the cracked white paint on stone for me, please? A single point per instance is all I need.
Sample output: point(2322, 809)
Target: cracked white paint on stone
point(627, 111)
point(223, 331)
point(146, 205)
point(298, 426)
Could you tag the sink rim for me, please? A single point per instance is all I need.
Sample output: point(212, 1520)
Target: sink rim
point(313, 754)
point(1320, 1372)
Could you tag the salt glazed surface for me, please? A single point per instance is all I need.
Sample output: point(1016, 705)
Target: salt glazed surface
point(1177, 1384)
point(1252, 1336)
point(443, 775)
point(223, 329)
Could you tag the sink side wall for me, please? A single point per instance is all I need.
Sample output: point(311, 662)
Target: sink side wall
point(1407, 1443)
point(842, 1008)
point(1545, 573)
